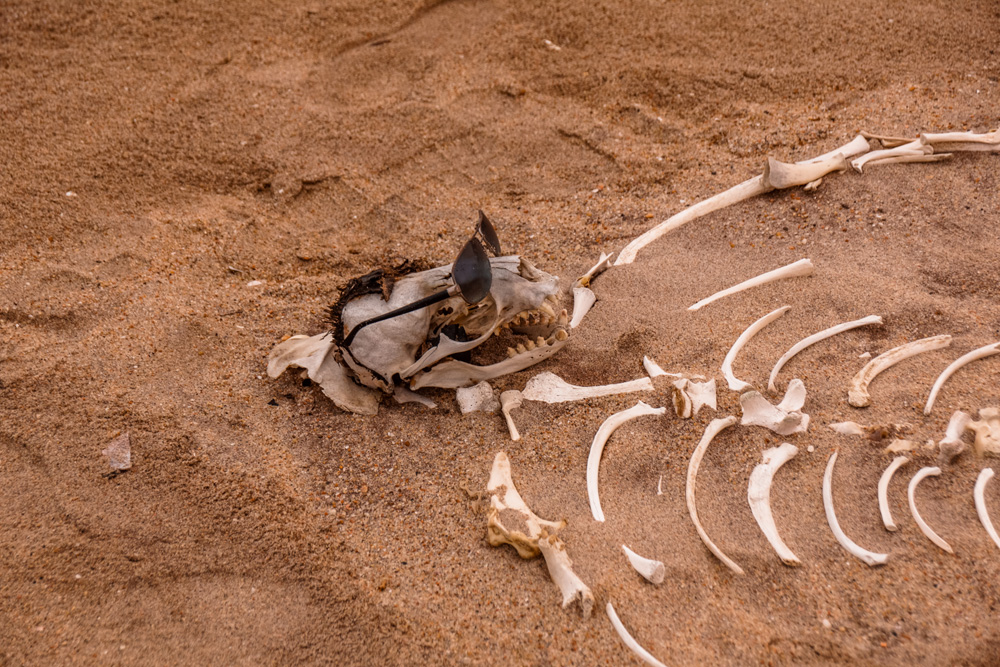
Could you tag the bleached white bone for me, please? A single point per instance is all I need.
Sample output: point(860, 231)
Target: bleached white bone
point(560, 568)
point(477, 398)
point(979, 493)
point(653, 369)
point(750, 188)
point(689, 397)
point(924, 528)
point(602, 264)
point(883, 492)
point(550, 388)
point(714, 428)
point(727, 364)
point(630, 641)
point(510, 400)
point(583, 300)
point(404, 395)
point(803, 267)
point(659, 486)
point(785, 418)
point(978, 353)
point(652, 571)
point(848, 428)
point(869, 557)
point(815, 338)
point(963, 141)
point(759, 497)
point(597, 448)
point(987, 430)
point(951, 445)
point(915, 148)
point(898, 445)
point(857, 392)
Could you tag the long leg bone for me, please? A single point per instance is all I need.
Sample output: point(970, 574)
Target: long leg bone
point(759, 497)
point(883, 495)
point(979, 353)
point(714, 428)
point(551, 388)
point(868, 557)
point(924, 528)
point(985, 475)
point(785, 418)
point(987, 431)
point(652, 571)
point(509, 401)
point(803, 267)
point(857, 393)
point(630, 641)
point(916, 148)
point(597, 448)
point(815, 338)
point(727, 364)
point(561, 570)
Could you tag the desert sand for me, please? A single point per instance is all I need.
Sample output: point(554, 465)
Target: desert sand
point(185, 183)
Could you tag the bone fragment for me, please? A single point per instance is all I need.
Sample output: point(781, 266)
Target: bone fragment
point(815, 338)
point(985, 475)
point(561, 570)
point(727, 364)
point(848, 428)
point(652, 571)
point(314, 353)
point(597, 449)
point(630, 641)
point(713, 429)
point(987, 430)
point(404, 395)
point(759, 497)
point(785, 418)
point(864, 555)
point(803, 267)
point(689, 397)
point(551, 388)
point(509, 401)
point(979, 353)
point(477, 398)
point(653, 369)
point(602, 264)
point(951, 445)
point(883, 488)
point(857, 393)
point(659, 486)
point(898, 445)
point(583, 300)
point(924, 528)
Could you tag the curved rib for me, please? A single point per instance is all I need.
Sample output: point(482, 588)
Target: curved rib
point(815, 338)
point(985, 475)
point(979, 353)
point(630, 641)
point(883, 488)
point(727, 363)
point(924, 528)
point(869, 557)
point(715, 427)
point(597, 448)
point(759, 497)
point(803, 267)
point(857, 392)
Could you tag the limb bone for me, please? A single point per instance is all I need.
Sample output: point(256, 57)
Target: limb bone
point(803, 267)
point(713, 429)
point(883, 488)
point(759, 497)
point(727, 364)
point(560, 568)
point(857, 393)
point(815, 338)
point(979, 353)
point(864, 555)
point(924, 528)
point(985, 475)
point(652, 571)
point(551, 388)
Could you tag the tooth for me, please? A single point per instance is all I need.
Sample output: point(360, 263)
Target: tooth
point(563, 317)
point(548, 309)
point(511, 352)
point(521, 349)
point(561, 334)
point(540, 342)
point(529, 345)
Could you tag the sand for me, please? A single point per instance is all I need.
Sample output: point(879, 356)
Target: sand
point(158, 158)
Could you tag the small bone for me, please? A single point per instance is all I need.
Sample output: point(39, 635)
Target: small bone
point(979, 353)
point(985, 475)
point(963, 141)
point(404, 395)
point(759, 497)
point(560, 568)
point(597, 449)
point(689, 397)
point(477, 398)
point(602, 264)
point(803, 267)
point(713, 429)
point(815, 338)
point(857, 393)
point(952, 444)
point(916, 148)
point(987, 431)
point(898, 445)
point(451, 374)
point(659, 486)
point(583, 300)
point(924, 528)
point(874, 432)
point(551, 388)
point(883, 488)
point(652, 571)
point(510, 400)
point(848, 428)
point(785, 418)
point(654, 371)
point(727, 364)
point(864, 555)
point(630, 641)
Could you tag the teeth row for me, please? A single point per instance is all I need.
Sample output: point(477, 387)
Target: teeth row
point(560, 335)
point(544, 316)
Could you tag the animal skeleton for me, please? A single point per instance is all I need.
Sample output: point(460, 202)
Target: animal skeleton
point(803, 267)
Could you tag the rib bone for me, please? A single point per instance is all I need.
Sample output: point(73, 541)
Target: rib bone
point(652, 571)
point(727, 364)
point(868, 557)
point(979, 353)
point(597, 448)
point(815, 338)
point(924, 528)
point(803, 267)
point(985, 475)
point(551, 388)
point(785, 418)
point(713, 429)
point(857, 393)
point(602, 264)
point(883, 488)
point(759, 497)
point(630, 641)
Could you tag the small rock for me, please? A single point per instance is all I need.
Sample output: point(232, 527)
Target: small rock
point(119, 453)
point(479, 398)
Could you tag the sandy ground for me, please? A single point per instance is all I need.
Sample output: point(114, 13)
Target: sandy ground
point(159, 156)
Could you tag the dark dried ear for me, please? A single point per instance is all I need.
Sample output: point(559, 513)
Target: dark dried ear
point(379, 281)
